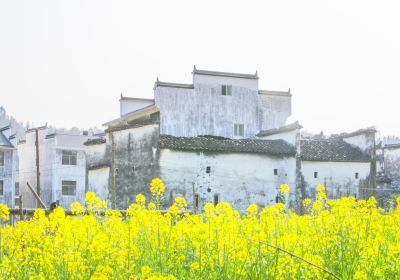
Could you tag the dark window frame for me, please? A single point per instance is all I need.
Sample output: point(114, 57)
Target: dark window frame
point(1, 187)
point(66, 186)
point(208, 169)
point(16, 189)
point(238, 130)
point(69, 157)
point(356, 175)
point(275, 171)
point(2, 158)
point(226, 90)
point(315, 174)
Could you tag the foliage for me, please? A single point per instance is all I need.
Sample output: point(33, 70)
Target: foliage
point(352, 239)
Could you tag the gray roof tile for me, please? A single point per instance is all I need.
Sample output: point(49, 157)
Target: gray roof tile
point(218, 144)
point(331, 150)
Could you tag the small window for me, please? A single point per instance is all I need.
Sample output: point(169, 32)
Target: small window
point(275, 171)
point(1, 158)
point(356, 175)
point(16, 188)
point(238, 130)
point(69, 157)
point(208, 169)
point(216, 199)
point(68, 188)
point(226, 90)
point(315, 174)
point(116, 171)
point(133, 169)
point(196, 200)
point(1, 187)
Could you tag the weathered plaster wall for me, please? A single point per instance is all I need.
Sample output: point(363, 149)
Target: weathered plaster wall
point(392, 163)
point(365, 142)
point(239, 82)
point(98, 180)
point(95, 154)
point(338, 177)
point(276, 110)
point(128, 105)
point(136, 160)
point(240, 179)
point(52, 171)
point(7, 175)
point(205, 111)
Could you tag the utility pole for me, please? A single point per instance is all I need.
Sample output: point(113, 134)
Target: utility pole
point(37, 162)
point(113, 187)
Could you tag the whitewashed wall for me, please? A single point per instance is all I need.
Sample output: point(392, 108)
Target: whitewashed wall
point(130, 105)
point(338, 177)
point(240, 179)
point(95, 153)
point(7, 175)
point(237, 82)
point(52, 172)
point(98, 182)
point(392, 163)
point(205, 111)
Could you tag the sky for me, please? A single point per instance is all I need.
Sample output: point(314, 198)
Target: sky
point(66, 63)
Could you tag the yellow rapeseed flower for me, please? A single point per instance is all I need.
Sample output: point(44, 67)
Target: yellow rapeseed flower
point(284, 188)
point(4, 212)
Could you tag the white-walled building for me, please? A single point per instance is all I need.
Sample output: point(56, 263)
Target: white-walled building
point(62, 167)
point(8, 167)
point(221, 138)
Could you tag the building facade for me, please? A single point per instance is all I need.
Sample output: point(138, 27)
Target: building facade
point(61, 162)
point(9, 187)
point(221, 138)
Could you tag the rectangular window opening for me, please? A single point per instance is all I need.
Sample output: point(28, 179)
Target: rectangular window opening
point(68, 188)
point(356, 175)
point(275, 171)
point(226, 90)
point(238, 130)
point(2, 158)
point(208, 169)
point(216, 199)
point(16, 188)
point(1, 187)
point(69, 157)
point(315, 174)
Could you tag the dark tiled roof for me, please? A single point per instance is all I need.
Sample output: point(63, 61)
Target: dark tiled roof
point(392, 146)
point(213, 144)
point(94, 141)
point(281, 129)
point(135, 124)
point(4, 142)
point(224, 74)
point(99, 166)
point(331, 150)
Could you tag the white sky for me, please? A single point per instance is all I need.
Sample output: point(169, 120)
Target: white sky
point(66, 62)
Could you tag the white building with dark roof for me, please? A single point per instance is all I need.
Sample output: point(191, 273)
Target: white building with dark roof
point(220, 138)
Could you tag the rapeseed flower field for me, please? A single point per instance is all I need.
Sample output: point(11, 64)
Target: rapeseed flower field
point(335, 239)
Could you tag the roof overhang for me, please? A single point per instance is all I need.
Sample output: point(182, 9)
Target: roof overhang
point(133, 115)
point(225, 74)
